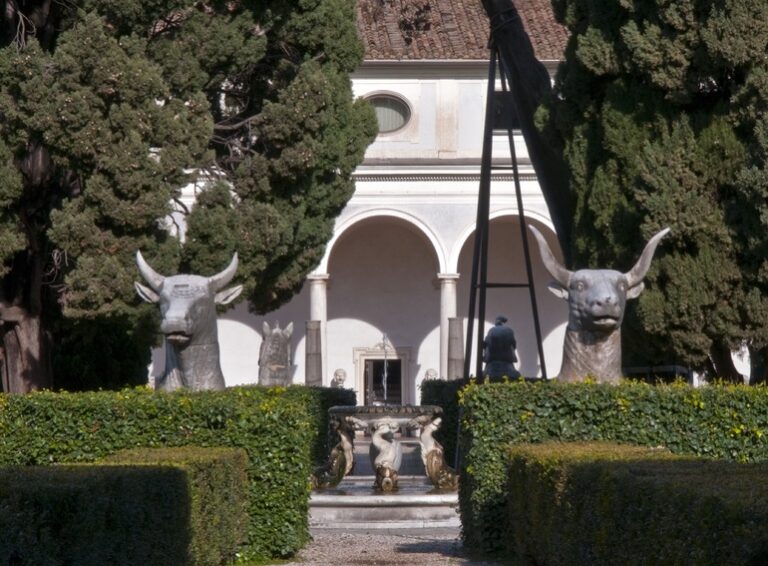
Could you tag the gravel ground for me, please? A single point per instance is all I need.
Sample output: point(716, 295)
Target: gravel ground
point(429, 547)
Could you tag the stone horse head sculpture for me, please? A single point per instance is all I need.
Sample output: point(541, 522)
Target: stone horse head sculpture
point(596, 300)
point(275, 355)
point(188, 308)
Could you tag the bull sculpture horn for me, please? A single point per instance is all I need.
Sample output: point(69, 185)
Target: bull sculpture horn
point(637, 273)
point(555, 268)
point(152, 277)
point(220, 280)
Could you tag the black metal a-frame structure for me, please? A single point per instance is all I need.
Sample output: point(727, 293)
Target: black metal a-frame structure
point(479, 283)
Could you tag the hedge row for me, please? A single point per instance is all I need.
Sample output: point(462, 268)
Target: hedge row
point(281, 429)
point(727, 422)
point(605, 504)
point(177, 506)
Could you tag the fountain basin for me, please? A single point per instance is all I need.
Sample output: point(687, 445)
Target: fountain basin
point(354, 504)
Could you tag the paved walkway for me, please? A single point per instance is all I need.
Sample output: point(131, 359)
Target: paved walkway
point(429, 547)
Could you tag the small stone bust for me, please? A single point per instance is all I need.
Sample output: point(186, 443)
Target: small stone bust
point(499, 351)
point(430, 374)
point(339, 377)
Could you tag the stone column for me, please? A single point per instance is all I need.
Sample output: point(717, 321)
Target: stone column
point(313, 365)
point(318, 311)
point(447, 310)
point(455, 349)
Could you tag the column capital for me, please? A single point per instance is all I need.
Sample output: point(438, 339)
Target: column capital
point(448, 276)
point(318, 277)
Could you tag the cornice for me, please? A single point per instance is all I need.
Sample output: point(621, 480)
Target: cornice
point(436, 177)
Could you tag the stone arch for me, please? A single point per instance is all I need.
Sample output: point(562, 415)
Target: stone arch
point(469, 230)
point(412, 220)
point(506, 265)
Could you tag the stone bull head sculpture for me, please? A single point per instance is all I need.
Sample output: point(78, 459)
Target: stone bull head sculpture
point(596, 300)
point(188, 308)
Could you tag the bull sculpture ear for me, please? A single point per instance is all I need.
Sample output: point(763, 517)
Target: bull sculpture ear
point(637, 273)
point(634, 292)
point(220, 280)
point(265, 329)
point(153, 279)
point(228, 295)
point(146, 293)
point(558, 290)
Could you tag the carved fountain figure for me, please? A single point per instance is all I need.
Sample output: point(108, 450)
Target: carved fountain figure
point(341, 460)
point(438, 471)
point(596, 300)
point(386, 452)
point(188, 307)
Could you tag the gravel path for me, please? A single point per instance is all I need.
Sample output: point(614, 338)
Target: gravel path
point(429, 547)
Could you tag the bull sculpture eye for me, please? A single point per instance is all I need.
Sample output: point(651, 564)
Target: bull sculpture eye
point(580, 285)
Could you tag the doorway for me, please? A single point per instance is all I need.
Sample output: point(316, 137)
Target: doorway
point(383, 382)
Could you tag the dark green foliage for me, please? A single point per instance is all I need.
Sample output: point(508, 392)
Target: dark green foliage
point(661, 109)
point(176, 506)
point(277, 427)
point(724, 422)
point(575, 504)
point(217, 496)
point(107, 109)
point(105, 353)
point(445, 394)
point(93, 515)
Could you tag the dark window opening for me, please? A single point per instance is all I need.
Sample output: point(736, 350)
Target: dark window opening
point(375, 391)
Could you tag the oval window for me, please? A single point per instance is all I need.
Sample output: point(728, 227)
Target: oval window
point(392, 113)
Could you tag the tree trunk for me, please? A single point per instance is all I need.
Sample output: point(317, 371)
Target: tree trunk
point(759, 366)
point(25, 364)
point(720, 356)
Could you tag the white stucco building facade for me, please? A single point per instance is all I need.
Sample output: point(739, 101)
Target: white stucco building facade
point(399, 263)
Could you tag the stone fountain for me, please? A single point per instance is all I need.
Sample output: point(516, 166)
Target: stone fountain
point(402, 481)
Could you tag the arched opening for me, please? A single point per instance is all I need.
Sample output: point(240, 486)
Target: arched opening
point(506, 264)
point(383, 302)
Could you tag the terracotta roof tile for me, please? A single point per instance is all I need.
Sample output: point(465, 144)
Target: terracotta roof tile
point(448, 29)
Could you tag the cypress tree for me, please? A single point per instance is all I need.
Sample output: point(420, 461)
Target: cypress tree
point(107, 109)
point(661, 110)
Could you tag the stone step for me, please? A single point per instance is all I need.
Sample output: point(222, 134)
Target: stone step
point(354, 504)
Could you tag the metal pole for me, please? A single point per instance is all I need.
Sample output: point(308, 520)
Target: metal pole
point(524, 234)
point(480, 257)
point(384, 378)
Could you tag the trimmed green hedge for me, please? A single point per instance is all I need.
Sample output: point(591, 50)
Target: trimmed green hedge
point(217, 499)
point(605, 504)
point(319, 401)
point(281, 429)
point(728, 422)
point(187, 507)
